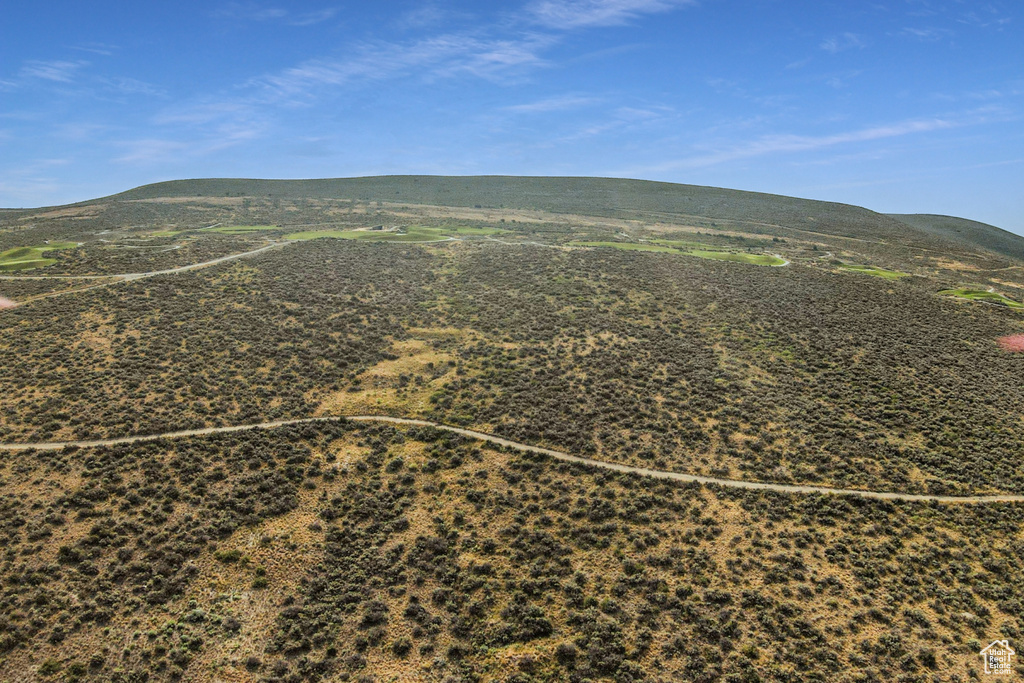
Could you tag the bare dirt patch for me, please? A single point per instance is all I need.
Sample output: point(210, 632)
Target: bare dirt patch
point(402, 386)
point(1014, 343)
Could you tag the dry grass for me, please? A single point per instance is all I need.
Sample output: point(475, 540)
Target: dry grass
point(381, 388)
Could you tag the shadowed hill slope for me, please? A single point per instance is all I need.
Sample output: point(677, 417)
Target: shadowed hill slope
point(592, 196)
point(966, 232)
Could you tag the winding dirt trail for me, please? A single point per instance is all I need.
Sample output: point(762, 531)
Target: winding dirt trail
point(129, 277)
point(558, 455)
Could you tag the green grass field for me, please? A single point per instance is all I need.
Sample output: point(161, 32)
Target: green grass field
point(414, 233)
point(626, 246)
point(687, 249)
point(239, 229)
point(27, 258)
point(681, 244)
point(982, 295)
point(738, 257)
point(365, 236)
point(874, 270)
point(166, 233)
point(468, 231)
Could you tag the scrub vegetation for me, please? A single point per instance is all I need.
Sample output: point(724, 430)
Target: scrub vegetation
point(234, 229)
point(689, 249)
point(414, 233)
point(345, 551)
point(320, 552)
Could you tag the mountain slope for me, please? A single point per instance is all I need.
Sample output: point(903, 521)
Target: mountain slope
point(592, 196)
point(966, 232)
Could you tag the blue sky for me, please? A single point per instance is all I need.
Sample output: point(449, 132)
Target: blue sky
point(902, 105)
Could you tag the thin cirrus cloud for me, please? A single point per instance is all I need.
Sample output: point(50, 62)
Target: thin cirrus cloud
point(255, 12)
point(840, 43)
point(58, 71)
point(101, 49)
point(483, 53)
point(132, 86)
point(781, 144)
point(203, 114)
point(929, 34)
point(151, 150)
point(439, 56)
point(474, 53)
point(559, 103)
point(155, 150)
point(502, 52)
point(571, 14)
point(442, 56)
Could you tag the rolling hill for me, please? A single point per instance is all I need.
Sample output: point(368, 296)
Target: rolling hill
point(646, 200)
point(505, 429)
point(967, 232)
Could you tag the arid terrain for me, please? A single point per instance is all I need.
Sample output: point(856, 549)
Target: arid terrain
point(647, 432)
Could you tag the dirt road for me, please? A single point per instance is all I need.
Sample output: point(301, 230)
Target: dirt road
point(558, 455)
point(129, 277)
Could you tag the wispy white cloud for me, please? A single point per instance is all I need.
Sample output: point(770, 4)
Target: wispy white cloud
point(159, 150)
point(726, 86)
point(589, 131)
point(842, 42)
point(188, 131)
point(618, 119)
point(30, 183)
point(18, 189)
point(203, 113)
point(42, 164)
point(266, 14)
point(439, 56)
point(80, 131)
point(59, 74)
point(928, 34)
point(637, 114)
point(427, 15)
point(1001, 91)
point(312, 147)
point(785, 144)
point(504, 51)
point(798, 143)
point(992, 164)
point(990, 17)
point(57, 70)
point(310, 18)
point(196, 130)
point(101, 49)
point(258, 12)
point(151, 150)
point(559, 103)
point(132, 86)
point(572, 14)
point(839, 81)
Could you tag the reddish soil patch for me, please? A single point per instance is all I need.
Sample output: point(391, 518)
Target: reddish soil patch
point(6, 303)
point(1013, 343)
